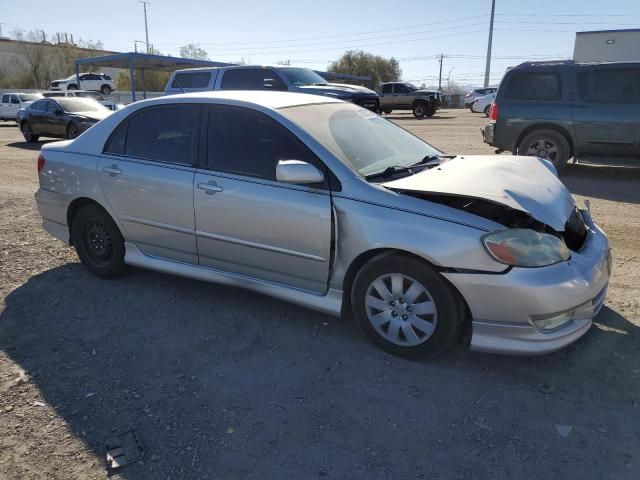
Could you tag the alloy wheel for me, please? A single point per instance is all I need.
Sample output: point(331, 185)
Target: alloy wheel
point(543, 148)
point(401, 309)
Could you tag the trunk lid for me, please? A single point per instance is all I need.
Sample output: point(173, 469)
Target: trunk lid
point(521, 183)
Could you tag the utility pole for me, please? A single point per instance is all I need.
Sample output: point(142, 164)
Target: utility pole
point(487, 69)
point(146, 25)
point(440, 77)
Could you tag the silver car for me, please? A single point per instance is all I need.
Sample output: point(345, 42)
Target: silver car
point(328, 205)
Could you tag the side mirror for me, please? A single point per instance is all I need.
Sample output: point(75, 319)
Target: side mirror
point(296, 171)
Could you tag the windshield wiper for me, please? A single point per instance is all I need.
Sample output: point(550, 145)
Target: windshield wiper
point(427, 161)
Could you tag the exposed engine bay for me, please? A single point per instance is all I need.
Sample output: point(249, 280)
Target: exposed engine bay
point(574, 234)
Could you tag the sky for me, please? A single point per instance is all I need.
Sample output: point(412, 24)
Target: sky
point(312, 34)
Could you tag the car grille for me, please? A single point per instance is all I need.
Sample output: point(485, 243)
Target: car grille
point(575, 230)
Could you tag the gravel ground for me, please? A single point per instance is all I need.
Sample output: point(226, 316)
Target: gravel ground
point(223, 383)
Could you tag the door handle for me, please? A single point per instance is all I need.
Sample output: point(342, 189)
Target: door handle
point(210, 187)
point(113, 170)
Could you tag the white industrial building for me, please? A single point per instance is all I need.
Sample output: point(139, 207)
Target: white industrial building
point(607, 46)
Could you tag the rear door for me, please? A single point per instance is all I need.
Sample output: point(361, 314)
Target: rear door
point(386, 96)
point(146, 174)
point(5, 105)
point(249, 224)
point(252, 79)
point(14, 106)
point(606, 112)
point(192, 81)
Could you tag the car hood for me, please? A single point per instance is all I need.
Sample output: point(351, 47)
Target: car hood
point(95, 115)
point(527, 184)
point(336, 89)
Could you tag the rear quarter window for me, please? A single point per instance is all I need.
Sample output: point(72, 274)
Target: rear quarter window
point(541, 86)
point(614, 85)
point(191, 80)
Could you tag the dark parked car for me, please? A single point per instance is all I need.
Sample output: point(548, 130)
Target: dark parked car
point(60, 117)
point(559, 110)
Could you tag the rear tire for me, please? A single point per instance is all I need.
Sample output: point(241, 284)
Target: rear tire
point(27, 133)
point(487, 111)
point(105, 90)
point(406, 307)
point(547, 144)
point(72, 131)
point(98, 242)
point(387, 111)
point(73, 86)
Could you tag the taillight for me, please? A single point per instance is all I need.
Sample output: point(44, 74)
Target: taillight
point(493, 116)
point(40, 163)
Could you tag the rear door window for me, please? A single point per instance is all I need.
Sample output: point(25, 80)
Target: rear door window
point(40, 106)
point(252, 79)
point(165, 134)
point(191, 80)
point(387, 88)
point(611, 85)
point(545, 86)
point(5, 99)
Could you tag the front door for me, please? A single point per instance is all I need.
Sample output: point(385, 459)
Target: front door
point(401, 96)
point(249, 224)
point(55, 122)
point(146, 174)
point(606, 113)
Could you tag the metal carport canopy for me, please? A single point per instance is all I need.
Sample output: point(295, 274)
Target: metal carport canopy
point(144, 61)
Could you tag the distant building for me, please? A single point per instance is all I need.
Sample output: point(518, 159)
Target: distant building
point(607, 46)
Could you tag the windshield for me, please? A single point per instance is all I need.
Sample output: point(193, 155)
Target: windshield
point(73, 105)
point(363, 140)
point(411, 86)
point(29, 97)
point(302, 76)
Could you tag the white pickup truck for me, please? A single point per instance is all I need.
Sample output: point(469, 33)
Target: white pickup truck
point(11, 102)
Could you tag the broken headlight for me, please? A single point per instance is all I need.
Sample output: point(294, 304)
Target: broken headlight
point(522, 247)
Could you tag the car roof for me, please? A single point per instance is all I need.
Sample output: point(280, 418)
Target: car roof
point(273, 100)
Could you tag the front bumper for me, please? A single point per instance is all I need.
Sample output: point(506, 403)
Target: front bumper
point(503, 306)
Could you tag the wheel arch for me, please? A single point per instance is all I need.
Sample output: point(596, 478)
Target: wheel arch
point(361, 260)
point(418, 101)
point(76, 205)
point(546, 126)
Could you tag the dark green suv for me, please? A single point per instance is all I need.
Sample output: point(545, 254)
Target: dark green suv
point(559, 110)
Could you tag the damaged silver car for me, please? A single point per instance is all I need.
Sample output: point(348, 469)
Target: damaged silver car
point(325, 204)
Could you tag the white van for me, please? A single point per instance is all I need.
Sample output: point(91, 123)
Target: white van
point(11, 102)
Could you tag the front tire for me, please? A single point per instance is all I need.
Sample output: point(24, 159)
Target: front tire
point(405, 306)
point(547, 144)
point(105, 90)
point(27, 133)
point(98, 242)
point(387, 111)
point(419, 110)
point(73, 86)
point(487, 111)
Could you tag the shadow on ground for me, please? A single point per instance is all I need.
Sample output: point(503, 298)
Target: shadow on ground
point(30, 146)
point(620, 184)
point(264, 389)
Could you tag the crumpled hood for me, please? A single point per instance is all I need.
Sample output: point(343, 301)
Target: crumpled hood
point(336, 89)
point(522, 183)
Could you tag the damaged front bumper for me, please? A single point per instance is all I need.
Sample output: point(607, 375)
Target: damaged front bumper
point(507, 309)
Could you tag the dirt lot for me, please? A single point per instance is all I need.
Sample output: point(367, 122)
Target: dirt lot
point(222, 383)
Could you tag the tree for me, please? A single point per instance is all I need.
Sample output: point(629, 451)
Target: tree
point(37, 60)
point(194, 51)
point(357, 62)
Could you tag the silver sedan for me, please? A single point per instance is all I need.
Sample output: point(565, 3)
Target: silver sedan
point(325, 204)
